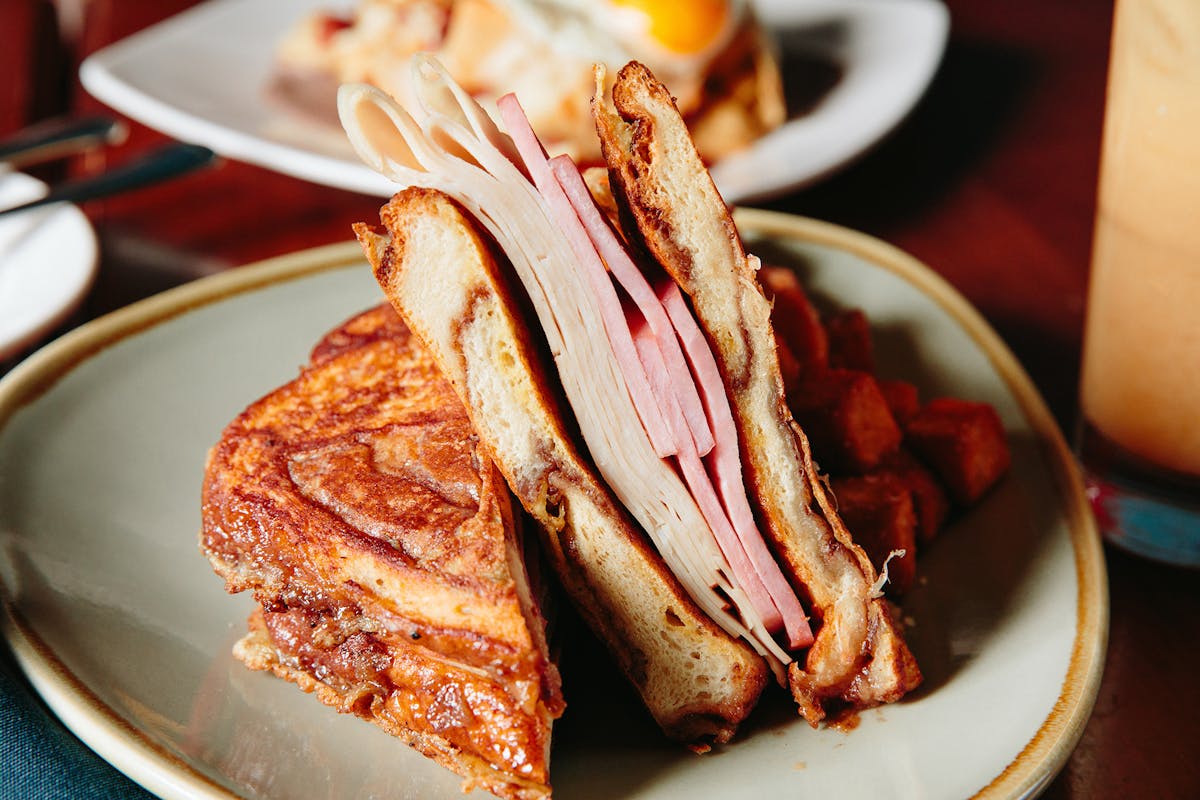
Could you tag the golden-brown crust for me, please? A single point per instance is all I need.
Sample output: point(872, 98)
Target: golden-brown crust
point(372, 325)
point(332, 453)
point(424, 701)
point(604, 561)
point(679, 218)
point(359, 488)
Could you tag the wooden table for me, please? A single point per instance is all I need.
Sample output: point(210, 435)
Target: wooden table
point(991, 182)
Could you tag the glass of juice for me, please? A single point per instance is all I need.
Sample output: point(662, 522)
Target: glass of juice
point(1140, 392)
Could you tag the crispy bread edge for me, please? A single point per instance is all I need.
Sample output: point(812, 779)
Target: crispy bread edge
point(256, 651)
point(260, 531)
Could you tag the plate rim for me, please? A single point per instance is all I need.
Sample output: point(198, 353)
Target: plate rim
point(90, 242)
point(934, 15)
point(163, 772)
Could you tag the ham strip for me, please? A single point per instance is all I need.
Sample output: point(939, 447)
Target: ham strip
point(726, 464)
point(631, 279)
point(615, 326)
point(701, 485)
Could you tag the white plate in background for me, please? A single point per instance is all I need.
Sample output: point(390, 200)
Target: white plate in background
point(203, 77)
point(123, 628)
point(47, 264)
point(889, 51)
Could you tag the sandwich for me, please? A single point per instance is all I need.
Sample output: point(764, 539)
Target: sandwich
point(714, 56)
point(613, 350)
point(386, 558)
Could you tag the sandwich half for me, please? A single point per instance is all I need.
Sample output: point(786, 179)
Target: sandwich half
point(664, 367)
point(382, 546)
point(858, 656)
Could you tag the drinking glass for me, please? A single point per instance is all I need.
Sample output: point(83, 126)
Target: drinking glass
point(1140, 392)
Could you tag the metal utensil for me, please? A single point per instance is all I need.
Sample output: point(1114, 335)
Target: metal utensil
point(59, 137)
point(170, 161)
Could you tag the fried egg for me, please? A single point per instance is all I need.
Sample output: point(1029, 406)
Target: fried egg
point(672, 37)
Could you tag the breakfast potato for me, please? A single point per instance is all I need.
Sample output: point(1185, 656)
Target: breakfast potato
point(902, 399)
point(896, 467)
point(879, 512)
point(930, 502)
point(796, 321)
point(847, 420)
point(850, 341)
point(963, 442)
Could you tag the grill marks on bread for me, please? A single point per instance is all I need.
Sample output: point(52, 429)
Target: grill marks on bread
point(356, 504)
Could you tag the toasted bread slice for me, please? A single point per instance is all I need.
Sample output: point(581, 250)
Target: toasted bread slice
point(445, 280)
point(859, 657)
point(356, 504)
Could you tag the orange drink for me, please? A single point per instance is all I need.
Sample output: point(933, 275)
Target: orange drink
point(1140, 392)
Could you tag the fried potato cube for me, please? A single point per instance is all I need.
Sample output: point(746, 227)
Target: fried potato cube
point(849, 335)
point(930, 502)
point(963, 442)
point(846, 419)
point(795, 320)
point(878, 511)
point(902, 399)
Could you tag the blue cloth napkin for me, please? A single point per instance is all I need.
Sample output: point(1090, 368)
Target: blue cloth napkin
point(40, 759)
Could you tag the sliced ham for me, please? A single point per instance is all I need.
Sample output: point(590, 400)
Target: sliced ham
point(609, 304)
point(725, 462)
point(631, 279)
point(701, 485)
point(732, 525)
point(497, 193)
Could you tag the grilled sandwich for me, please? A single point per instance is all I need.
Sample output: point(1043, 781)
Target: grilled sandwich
point(388, 562)
point(687, 512)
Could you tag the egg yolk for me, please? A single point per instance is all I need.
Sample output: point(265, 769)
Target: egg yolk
point(682, 26)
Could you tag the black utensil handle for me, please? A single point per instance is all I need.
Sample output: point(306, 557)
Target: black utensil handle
point(57, 138)
point(167, 162)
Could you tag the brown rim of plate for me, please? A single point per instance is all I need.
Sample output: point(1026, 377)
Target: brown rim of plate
point(163, 772)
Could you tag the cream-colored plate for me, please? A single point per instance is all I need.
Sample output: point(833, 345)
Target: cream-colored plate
point(125, 631)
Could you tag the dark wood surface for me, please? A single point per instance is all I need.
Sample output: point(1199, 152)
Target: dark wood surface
point(991, 182)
